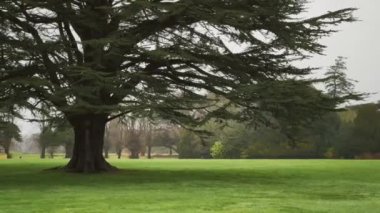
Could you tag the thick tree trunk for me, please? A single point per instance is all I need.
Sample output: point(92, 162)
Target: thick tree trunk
point(43, 152)
point(89, 138)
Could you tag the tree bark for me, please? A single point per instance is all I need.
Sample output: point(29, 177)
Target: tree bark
point(88, 146)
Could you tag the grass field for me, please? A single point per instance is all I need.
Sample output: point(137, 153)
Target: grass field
point(193, 186)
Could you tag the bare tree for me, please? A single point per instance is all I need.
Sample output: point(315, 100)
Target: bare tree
point(114, 137)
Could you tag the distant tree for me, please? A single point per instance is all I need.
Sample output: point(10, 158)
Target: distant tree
point(167, 137)
point(94, 60)
point(133, 137)
point(146, 129)
point(363, 136)
point(46, 139)
point(367, 126)
point(190, 145)
point(52, 137)
point(322, 133)
point(338, 85)
point(149, 138)
point(115, 137)
point(8, 132)
point(132, 133)
point(64, 136)
point(236, 138)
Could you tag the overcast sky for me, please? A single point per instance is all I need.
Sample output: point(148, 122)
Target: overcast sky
point(359, 42)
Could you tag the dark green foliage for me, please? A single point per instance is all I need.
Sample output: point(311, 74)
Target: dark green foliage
point(345, 146)
point(324, 133)
point(362, 136)
point(236, 139)
point(348, 134)
point(8, 132)
point(190, 146)
point(242, 141)
point(367, 128)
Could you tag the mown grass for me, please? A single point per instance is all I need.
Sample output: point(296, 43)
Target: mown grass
point(193, 186)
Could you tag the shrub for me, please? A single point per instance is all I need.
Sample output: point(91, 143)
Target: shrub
point(217, 150)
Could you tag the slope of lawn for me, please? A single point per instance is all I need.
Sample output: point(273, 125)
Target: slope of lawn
point(193, 186)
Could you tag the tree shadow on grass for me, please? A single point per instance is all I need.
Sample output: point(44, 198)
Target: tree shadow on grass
point(157, 178)
point(55, 178)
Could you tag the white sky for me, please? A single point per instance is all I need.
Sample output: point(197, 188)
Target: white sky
point(359, 42)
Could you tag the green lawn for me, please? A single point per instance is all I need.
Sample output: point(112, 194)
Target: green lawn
point(193, 186)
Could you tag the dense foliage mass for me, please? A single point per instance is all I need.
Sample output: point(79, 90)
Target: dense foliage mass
point(349, 134)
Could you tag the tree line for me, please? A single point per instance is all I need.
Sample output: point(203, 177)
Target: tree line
point(353, 133)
